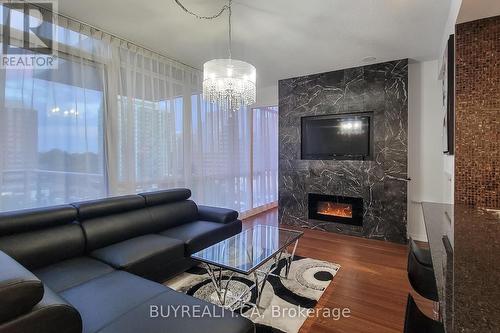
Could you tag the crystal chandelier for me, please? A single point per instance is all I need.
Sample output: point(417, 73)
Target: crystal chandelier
point(228, 83)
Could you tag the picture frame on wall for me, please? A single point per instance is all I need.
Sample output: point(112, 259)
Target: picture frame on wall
point(448, 96)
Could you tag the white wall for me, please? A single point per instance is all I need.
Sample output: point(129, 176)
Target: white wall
point(448, 182)
point(449, 28)
point(267, 96)
point(425, 152)
point(449, 179)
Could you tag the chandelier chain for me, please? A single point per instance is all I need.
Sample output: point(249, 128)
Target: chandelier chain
point(212, 17)
point(229, 29)
point(227, 83)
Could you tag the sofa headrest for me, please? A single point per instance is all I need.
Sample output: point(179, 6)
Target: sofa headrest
point(33, 219)
point(166, 196)
point(108, 206)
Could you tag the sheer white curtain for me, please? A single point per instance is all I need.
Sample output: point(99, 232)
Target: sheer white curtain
point(148, 121)
point(161, 134)
point(265, 155)
point(221, 156)
point(116, 119)
point(51, 128)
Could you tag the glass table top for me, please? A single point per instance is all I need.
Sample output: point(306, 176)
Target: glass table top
point(248, 250)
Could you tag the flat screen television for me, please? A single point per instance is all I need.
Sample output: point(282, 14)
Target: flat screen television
point(337, 137)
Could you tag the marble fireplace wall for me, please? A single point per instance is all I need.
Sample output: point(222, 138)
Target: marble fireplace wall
point(381, 182)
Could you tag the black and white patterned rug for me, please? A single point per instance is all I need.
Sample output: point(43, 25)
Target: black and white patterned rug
point(284, 301)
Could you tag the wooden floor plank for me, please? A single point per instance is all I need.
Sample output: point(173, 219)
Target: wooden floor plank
point(372, 282)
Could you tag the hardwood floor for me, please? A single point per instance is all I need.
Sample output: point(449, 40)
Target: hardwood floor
point(372, 282)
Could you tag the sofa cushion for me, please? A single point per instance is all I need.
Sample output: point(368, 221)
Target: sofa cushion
point(198, 316)
point(72, 272)
point(42, 236)
point(102, 300)
point(40, 248)
point(146, 255)
point(112, 220)
point(170, 208)
point(173, 214)
point(200, 234)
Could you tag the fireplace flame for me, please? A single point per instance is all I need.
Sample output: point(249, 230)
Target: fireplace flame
point(334, 209)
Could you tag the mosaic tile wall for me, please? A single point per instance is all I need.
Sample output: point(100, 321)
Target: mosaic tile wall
point(477, 159)
point(381, 182)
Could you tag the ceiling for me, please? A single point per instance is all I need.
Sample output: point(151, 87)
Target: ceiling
point(281, 38)
point(477, 9)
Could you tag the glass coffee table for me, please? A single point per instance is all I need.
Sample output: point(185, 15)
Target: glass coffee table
point(254, 252)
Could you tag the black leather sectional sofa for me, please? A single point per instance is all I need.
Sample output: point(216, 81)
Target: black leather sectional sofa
point(95, 266)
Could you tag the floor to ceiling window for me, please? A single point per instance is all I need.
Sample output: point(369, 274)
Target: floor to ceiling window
point(265, 155)
point(51, 134)
point(116, 119)
point(220, 156)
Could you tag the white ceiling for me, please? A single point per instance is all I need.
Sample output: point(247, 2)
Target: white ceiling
point(477, 9)
point(281, 38)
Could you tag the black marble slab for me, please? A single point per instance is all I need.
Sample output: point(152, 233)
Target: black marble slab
point(471, 300)
point(381, 182)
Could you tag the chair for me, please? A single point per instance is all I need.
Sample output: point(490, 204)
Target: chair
point(417, 322)
point(423, 255)
point(421, 277)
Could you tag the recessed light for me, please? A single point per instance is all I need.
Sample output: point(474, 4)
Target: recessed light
point(369, 59)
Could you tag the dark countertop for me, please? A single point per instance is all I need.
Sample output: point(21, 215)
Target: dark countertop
point(439, 228)
point(471, 261)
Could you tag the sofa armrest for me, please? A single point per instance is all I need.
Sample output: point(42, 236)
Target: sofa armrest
point(216, 214)
point(20, 290)
point(52, 314)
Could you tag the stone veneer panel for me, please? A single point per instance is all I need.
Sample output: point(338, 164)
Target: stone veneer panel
point(477, 159)
point(381, 182)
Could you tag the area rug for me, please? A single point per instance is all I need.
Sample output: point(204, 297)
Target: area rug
point(284, 301)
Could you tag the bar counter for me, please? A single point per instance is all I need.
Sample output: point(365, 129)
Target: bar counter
point(465, 249)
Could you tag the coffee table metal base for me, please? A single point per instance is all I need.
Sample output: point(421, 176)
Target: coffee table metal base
point(222, 281)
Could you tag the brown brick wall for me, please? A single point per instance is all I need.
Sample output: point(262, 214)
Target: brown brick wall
point(477, 154)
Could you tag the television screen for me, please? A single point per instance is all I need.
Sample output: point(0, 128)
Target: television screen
point(337, 137)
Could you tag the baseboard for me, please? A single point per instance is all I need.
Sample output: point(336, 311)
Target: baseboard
point(257, 210)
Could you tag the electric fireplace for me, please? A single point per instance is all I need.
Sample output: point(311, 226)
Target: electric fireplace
point(335, 208)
